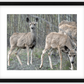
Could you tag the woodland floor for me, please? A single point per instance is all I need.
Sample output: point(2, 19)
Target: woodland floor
point(14, 64)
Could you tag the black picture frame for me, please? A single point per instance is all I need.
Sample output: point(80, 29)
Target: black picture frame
point(42, 4)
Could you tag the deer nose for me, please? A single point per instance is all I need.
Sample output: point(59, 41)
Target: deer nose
point(32, 27)
point(72, 62)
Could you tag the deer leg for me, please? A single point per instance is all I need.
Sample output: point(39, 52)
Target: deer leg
point(60, 57)
point(27, 54)
point(71, 66)
point(50, 61)
point(31, 55)
point(18, 50)
point(43, 52)
point(9, 54)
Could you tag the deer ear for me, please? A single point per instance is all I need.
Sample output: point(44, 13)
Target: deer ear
point(36, 19)
point(27, 19)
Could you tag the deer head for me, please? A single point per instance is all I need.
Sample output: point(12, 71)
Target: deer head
point(32, 24)
point(71, 56)
point(71, 53)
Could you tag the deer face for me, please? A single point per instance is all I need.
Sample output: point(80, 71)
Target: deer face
point(32, 26)
point(71, 56)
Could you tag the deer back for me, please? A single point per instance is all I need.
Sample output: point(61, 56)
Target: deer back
point(67, 22)
point(56, 39)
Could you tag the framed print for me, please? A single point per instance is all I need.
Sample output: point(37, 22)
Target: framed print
point(41, 42)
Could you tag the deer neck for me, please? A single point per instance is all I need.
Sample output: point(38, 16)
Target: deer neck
point(33, 33)
point(69, 45)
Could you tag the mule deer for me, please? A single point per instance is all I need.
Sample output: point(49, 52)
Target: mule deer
point(23, 41)
point(67, 22)
point(62, 43)
point(70, 28)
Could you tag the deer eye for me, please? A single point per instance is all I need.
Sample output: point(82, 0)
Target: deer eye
point(74, 55)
